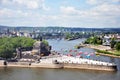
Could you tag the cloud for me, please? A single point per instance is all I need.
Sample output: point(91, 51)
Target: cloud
point(6, 13)
point(35, 12)
point(108, 10)
point(101, 15)
point(98, 2)
point(92, 1)
point(27, 4)
point(30, 4)
point(68, 10)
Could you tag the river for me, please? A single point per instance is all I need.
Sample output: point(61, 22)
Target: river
point(62, 74)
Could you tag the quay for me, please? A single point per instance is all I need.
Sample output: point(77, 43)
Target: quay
point(64, 62)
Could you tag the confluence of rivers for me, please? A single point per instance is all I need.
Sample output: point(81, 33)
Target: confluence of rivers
point(62, 74)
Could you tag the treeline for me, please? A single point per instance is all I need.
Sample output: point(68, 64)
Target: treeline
point(114, 43)
point(94, 40)
point(76, 35)
point(8, 45)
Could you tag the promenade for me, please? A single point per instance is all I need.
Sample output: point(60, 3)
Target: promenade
point(63, 61)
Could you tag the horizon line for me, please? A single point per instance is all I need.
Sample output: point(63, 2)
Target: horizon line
point(56, 26)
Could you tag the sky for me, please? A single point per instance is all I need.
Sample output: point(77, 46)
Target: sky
point(65, 13)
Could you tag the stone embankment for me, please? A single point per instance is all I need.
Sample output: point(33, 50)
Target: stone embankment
point(81, 63)
point(65, 62)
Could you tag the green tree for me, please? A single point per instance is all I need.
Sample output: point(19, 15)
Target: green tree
point(117, 46)
point(8, 45)
point(68, 36)
point(112, 43)
point(45, 42)
point(94, 40)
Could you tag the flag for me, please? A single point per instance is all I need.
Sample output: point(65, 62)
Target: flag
point(88, 56)
point(70, 50)
point(69, 55)
point(65, 50)
point(91, 54)
point(61, 49)
point(80, 52)
point(75, 50)
point(85, 53)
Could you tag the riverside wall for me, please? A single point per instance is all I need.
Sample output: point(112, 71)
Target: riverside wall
point(61, 65)
point(27, 64)
point(90, 67)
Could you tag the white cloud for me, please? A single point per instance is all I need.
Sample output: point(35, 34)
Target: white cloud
point(9, 13)
point(4, 12)
point(5, 2)
point(98, 2)
point(100, 10)
point(100, 15)
point(68, 10)
point(92, 1)
point(32, 5)
point(28, 12)
point(115, 0)
point(29, 4)
point(108, 9)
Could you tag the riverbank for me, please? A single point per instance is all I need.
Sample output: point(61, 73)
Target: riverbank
point(65, 62)
point(102, 50)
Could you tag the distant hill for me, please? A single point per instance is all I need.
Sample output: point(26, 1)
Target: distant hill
point(54, 28)
point(1, 26)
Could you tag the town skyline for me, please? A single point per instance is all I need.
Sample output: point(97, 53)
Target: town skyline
point(60, 13)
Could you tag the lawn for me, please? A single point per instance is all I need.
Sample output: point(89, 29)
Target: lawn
point(116, 53)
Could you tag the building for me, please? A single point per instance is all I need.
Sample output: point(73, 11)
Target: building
point(40, 48)
point(106, 41)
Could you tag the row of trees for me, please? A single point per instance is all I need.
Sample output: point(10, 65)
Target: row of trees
point(72, 35)
point(94, 40)
point(114, 44)
point(8, 45)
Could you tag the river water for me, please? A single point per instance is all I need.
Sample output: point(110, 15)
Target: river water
point(62, 74)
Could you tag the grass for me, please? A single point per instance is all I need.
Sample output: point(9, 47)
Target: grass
point(116, 53)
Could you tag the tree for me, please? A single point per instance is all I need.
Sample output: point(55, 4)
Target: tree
point(94, 40)
point(117, 46)
point(68, 36)
point(112, 43)
point(45, 42)
point(8, 45)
